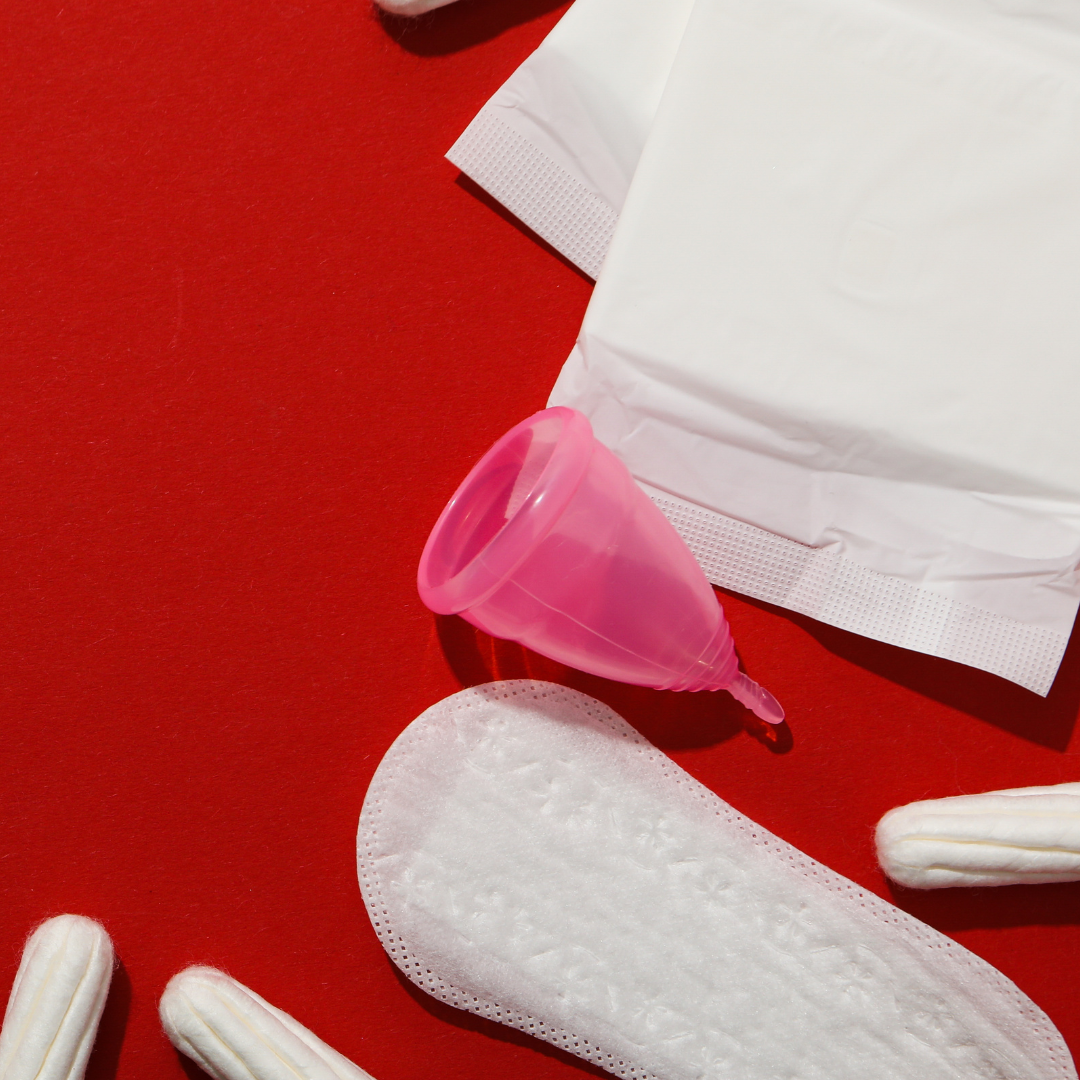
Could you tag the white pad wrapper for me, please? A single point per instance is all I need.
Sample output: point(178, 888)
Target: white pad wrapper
point(835, 337)
point(1022, 836)
point(526, 855)
point(56, 1001)
point(233, 1034)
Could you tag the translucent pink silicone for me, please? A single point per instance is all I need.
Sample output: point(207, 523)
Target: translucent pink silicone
point(550, 543)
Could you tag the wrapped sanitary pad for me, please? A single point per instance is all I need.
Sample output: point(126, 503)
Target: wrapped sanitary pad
point(526, 855)
point(834, 336)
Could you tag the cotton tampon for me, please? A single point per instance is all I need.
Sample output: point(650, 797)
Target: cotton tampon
point(233, 1034)
point(56, 1001)
point(1020, 836)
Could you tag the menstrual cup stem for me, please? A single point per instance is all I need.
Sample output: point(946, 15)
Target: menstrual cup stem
point(756, 698)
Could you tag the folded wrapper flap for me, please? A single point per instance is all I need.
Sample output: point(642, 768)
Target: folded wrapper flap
point(526, 855)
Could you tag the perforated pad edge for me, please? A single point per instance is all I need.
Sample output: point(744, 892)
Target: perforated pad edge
point(401, 951)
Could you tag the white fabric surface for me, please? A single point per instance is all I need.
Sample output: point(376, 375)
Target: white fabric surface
point(233, 1034)
point(526, 855)
point(56, 1001)
point(1022, 836)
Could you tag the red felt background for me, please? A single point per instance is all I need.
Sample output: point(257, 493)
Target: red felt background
point(254, 331)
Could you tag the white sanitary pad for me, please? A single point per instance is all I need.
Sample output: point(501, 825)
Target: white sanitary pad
point(835, 336)
point(526, 855)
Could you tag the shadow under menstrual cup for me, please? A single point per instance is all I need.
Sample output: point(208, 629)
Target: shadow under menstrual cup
point(549, 542)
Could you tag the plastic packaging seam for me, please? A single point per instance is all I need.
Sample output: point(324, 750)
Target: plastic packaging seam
point(577, 222)
point(836, 590)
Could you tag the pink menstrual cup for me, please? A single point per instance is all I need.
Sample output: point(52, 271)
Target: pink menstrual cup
point(550, 543)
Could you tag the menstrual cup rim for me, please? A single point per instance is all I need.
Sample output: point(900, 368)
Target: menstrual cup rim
point(490, 567)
